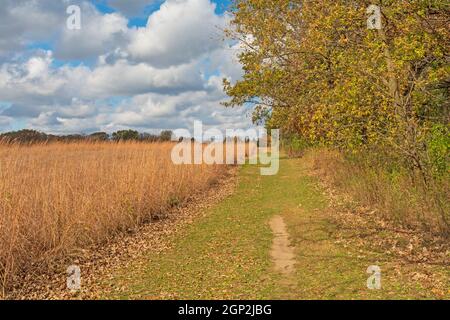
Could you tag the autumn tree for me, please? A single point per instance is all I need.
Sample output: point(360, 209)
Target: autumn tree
point(315, 70)
point(322, 74)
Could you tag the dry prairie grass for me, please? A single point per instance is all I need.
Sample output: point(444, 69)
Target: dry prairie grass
point(57, 198)
point(394, 193)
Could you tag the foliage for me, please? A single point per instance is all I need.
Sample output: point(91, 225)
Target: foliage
point(166, 135)
point(99, 136)
point(295, 145)
point(439, 150)
point(386, 188)
point(315, 70)
point(22, 136)
point(124, 135)
point(27, 136)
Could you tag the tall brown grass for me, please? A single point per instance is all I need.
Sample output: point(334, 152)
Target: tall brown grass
point(57, 198)
point(397, 194)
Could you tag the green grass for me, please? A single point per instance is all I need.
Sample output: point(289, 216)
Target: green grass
point(226, 253)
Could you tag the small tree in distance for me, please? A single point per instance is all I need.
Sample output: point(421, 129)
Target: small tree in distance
point(99, 136)
point(125, 135)
point(166, 135)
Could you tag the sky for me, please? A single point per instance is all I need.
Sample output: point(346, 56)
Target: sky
point(146, 65)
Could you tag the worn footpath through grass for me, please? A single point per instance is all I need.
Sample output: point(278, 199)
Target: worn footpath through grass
point(226, 253)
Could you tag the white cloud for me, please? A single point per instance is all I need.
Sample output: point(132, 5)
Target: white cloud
point(99, 33)
point(164, 75)
point(123, 78)
point(4, 121)
point(25, 21)
point(131, 7)
point(225, 60)
point(180, 31)
point(35, 79)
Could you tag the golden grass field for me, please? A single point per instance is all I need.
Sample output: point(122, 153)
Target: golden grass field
point(58, 198)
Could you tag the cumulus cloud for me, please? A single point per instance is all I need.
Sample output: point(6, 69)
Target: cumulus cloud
point(177, 111)
point(158, 96)
point(25, 21)
point(131, 7)
point(178, 32)
point(4, 121)
point(164, 75)
point(123, 78)
point(99, 34)
point(148, 112)
point(35, 79)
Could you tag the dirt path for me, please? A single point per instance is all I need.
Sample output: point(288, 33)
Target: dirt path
point(282, 252)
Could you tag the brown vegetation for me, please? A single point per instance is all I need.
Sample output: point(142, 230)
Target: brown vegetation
point(57, 198)
point(394, 192)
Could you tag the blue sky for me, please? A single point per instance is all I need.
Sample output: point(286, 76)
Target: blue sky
point(142, 64)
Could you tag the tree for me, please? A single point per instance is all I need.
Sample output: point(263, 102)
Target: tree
point(166, 135)
point(148, 137)
point(124, 135)
point(99, 136)
point(316, 71)
point(25, 136)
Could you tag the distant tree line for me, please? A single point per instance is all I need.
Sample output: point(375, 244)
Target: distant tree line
point(32, 136)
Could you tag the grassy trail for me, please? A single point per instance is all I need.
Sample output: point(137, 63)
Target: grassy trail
point(225, 254)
